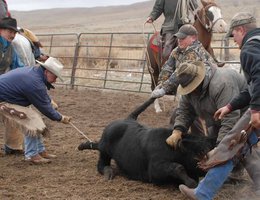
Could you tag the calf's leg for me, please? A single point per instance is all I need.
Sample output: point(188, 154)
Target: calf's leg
point(167, 170)
point(104, 166)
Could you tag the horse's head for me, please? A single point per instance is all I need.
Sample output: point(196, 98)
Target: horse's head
point(212, 18)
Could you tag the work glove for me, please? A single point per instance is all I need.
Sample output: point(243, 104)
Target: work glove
point(54, 104)
point(65, 119)
point(158, 92)
point(174, 139)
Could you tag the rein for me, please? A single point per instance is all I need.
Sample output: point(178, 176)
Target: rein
point(201, 14)
point(150, 69)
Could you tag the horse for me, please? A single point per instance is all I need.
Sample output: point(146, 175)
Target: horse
point(208, 19)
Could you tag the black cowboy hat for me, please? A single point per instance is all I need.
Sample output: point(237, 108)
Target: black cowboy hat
point(9, 23)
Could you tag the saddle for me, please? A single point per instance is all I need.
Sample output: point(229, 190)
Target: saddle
point(155, 42)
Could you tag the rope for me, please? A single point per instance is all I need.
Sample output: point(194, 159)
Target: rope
point(80, 132)
point(150, 69)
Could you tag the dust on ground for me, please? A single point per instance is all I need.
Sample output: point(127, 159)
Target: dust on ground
point(73, 174)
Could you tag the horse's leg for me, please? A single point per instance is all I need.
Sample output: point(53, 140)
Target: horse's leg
point(211, 52)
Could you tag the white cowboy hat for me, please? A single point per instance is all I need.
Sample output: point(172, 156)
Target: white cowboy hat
point(190, 76)
point(53, 65)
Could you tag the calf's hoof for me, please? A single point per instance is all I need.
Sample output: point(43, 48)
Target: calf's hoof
point(85, 145)
point(109, 173)
point(191, 183)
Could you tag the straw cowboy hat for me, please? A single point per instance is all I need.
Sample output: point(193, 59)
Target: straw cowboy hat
point(30, 36)
point(53, 65)
point(8, 23)
point(190, 76)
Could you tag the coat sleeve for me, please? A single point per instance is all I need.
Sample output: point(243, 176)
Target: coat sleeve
point(158, 9)
point(3, 9)
point(167, 69)
point(250, 61)
point(241, 101)
point(41, 100)
point(185, 114)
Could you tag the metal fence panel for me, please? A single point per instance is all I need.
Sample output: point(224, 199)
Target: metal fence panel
point(114, 60)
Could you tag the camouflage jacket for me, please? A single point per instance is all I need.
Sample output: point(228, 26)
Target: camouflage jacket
point(194, 52)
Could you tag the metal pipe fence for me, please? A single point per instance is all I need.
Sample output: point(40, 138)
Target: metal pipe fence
point(115, 61)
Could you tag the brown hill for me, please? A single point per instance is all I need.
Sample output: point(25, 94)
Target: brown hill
point(112, 18)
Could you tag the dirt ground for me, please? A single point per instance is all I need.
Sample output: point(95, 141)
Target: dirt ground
point(73, 174)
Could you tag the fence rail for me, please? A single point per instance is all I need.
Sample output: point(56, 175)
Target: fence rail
point(114, 60)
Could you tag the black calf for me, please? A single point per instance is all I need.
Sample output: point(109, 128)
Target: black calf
point(141, 153)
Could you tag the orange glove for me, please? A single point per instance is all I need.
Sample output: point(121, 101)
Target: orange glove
point(65, 119)
point(174, 138)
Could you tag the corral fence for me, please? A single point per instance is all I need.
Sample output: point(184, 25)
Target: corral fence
point(114, 61)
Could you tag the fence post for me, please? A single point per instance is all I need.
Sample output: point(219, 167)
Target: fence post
point(145, 61)
point(75, 62)
point(51, 43)
point(226, 50)
point(109, 58)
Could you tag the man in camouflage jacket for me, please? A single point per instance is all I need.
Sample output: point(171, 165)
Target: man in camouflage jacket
point(189, 48)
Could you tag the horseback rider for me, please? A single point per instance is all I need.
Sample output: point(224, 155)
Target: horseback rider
point(175, 13)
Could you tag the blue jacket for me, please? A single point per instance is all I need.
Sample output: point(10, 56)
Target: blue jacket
point(25, 86)
point(250, 62)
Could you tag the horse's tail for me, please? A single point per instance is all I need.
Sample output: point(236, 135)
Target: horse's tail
point(140, 109)
point(88, 145)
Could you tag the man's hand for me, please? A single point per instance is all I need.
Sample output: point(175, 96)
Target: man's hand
point(65, 119)
point(255, 119)
point(174, 139)
point(211, 153)
point(220, 113)
point(149, 20)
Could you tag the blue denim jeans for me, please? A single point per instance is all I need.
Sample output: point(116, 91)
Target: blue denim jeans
point(213, 181)
point(33, 146)
point(216, 176)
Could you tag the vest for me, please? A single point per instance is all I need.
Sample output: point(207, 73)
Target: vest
point(5, 59)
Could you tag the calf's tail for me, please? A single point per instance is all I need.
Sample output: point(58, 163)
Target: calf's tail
point(88, 145)
point(140, 109)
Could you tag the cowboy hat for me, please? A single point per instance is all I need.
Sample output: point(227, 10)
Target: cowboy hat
point(190, 76)
point(240, 19)
point(8, 23)
point(53, 65)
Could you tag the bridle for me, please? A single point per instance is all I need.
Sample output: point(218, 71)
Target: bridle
point(204, 17)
